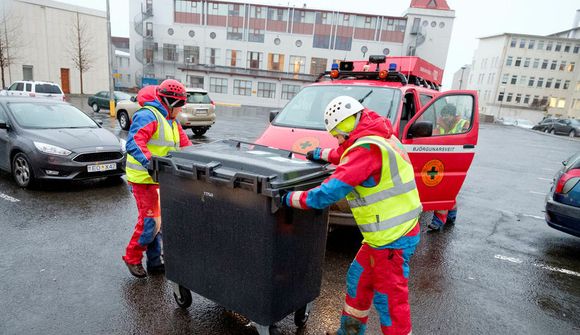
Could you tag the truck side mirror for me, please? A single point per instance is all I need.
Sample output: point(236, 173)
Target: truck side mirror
point(420, 129)
point(4, 125)
point(273, 114)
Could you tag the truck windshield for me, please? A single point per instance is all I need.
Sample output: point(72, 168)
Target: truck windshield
point(306, 109)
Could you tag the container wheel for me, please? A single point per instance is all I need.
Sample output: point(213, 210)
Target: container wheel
point(185, 300)
point(301, 315)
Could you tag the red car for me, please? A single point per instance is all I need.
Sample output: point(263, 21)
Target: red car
point(406, 91)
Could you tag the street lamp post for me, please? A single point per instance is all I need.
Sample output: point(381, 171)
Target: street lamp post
point(461, 78)
point(112, 111)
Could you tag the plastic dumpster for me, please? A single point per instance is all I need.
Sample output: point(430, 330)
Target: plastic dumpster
point(227, 238)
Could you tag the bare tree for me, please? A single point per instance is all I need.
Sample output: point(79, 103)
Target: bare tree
point(80, 47)
point(10, 42)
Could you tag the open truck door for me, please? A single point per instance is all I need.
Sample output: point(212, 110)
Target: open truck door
point(442, 154)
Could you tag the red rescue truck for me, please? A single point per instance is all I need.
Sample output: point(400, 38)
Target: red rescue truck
point(406, 91)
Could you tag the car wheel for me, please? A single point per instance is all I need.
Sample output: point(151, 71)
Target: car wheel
point(96, 107)
point(199, 131)
point(22, 171)
point(572, 133)
point(546, 130)
point(124, 121)
point(553, 131)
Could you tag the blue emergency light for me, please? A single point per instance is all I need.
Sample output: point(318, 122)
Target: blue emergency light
point(334, 66)
point(392, 67)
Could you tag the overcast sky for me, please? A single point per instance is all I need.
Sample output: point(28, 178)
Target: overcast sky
point(474, 19)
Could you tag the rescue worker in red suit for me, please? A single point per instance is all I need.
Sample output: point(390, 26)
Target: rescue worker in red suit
point(154, 132)
point(448, 123)
point(375, 175)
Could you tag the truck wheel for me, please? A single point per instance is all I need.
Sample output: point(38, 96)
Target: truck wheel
point(199, 131)
point(185, 300)
point(301, 316)
point(425, 218)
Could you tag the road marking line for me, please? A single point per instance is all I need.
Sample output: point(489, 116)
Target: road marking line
point(546, 179)
point(533, 216)
point(8, 198)
point(539, 265)
point(540, 193)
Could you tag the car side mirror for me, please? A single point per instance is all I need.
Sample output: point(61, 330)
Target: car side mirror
point(134, 99)
point(273, 114)
point(420, 129)
point(4, 125)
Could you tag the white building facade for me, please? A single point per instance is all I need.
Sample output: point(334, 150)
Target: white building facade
point(527, 76)
point(43, 38)
point(261, 55)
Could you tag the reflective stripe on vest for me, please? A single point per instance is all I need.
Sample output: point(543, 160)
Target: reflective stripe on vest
point(390, 209)
point(164, 140)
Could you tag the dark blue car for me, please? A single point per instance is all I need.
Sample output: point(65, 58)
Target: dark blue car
point(563, 201)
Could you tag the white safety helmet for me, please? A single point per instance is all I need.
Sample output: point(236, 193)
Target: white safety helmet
point(339, 109)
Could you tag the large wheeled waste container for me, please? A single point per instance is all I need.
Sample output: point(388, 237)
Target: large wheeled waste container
point(227, 238)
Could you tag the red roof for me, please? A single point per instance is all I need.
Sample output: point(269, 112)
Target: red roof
point(430, 4)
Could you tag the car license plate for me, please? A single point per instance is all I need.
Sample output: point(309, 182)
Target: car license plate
point(201, 112)
point(102, 167)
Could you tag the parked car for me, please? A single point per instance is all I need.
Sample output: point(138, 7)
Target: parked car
point(40, 89)
point(545, 125)
point(101, 100)
point(570, 127)
point(198, 114)
point(523, 124)
point(506, 121)
point(563, 201)
point(47, 139)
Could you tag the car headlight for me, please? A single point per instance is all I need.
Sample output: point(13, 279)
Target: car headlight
point(123, 145)
point(51, 149)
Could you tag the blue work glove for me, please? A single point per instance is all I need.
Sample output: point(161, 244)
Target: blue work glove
point(315, 156)
point(285, 199)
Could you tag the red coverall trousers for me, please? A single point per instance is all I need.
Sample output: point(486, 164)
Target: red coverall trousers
point(147, 235)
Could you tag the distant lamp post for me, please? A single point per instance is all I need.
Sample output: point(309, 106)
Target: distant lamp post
point(461, 78)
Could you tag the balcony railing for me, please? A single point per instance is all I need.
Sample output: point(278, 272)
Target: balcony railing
point(249, 72)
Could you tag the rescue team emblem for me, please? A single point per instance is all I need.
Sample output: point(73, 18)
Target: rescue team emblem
point(305, 144)
point(432, 173)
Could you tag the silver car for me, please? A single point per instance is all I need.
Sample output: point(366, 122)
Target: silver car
point(198, 114)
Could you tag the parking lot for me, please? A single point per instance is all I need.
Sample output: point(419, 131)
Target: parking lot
point(499, 270)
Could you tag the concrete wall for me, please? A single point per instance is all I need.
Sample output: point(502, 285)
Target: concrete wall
point(48, 35)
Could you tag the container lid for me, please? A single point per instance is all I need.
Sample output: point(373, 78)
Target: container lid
point(231, 159)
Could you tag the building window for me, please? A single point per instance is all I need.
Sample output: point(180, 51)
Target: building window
point(518, 61)
point(256, 35)
point(553, 102)
point(577, 86)
point(317, 65)
point(234, 34)
point(527, 99)
point(549, 82)
point(522, 43)
point(169, 52)
point(576, 104)
point(195, 81)
point(218, 85)
point(149, 29)
point(566, 84)
point(561, 103)
point(540, 45)
point(549, 46)
point(558, 83)
point(514, 80)
point(567, 48)
point(297, 64)
point(509, 61)
point(509, 97)
point(545, 64)
point(27, 72)
point(554, 65)
point(266, 90)
point(513, 43)
point(242, 87)
point(563, 65)
point(558, 46)
point(191, 54)
point(532, 43)
point(321, 41)
point(234, 58)
point(504, 78)
point(298, 43)
point(576, 48)
point(500, 96)
point(254, 60)
point(527, 62)
point(571, 66)
point(212, 56)
point(518, 98)
point(531, 82)
point(289, 91)
point(276, 62)
point(523, 80)
point(343, 43)
point(536, 63)
point(170, 31)
point(540, 82)
point(212, 35)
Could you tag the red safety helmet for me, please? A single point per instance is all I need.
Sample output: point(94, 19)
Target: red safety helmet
point(172, 93)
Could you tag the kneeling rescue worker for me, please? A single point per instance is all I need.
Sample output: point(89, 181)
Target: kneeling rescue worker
point(154, 132)
point(374, 173)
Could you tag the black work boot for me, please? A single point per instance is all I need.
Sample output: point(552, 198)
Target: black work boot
point(156, 270)
point(136, 270)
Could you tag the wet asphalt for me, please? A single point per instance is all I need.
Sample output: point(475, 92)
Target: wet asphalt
point(499, 270)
